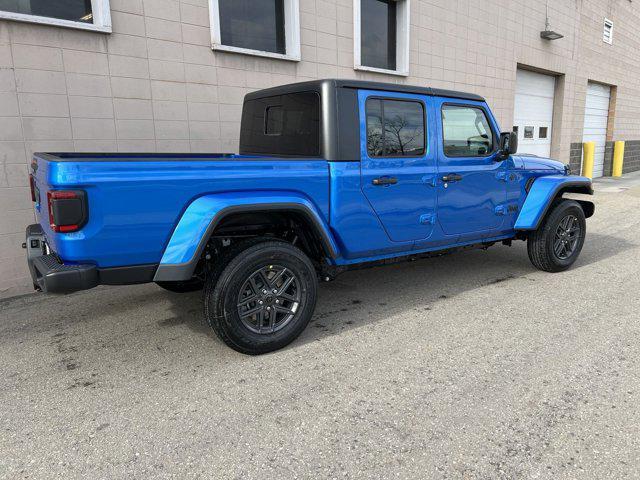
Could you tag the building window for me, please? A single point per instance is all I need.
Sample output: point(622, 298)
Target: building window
point(543, 132)
point(528, 132)
point(83, 14)
point(395, 128)
point(607, 35)
point(381, 33)
point(269, 28)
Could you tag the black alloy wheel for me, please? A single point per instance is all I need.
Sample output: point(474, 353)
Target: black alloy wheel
point(269, 299)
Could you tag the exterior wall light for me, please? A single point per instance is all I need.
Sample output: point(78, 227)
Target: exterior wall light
point(549, 34)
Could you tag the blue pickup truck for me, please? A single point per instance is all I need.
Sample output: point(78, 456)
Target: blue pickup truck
point(331, 175)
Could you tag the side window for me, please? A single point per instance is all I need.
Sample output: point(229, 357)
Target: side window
point(282, 125)
point(466, 132)
point(395, 128)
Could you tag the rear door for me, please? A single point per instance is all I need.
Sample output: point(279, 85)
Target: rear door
point(398, 163)
point(472, 179)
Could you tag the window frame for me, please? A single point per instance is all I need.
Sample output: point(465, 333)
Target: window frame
point(403, 36)
point(494, 142)
point(291, 33)
point(101, 11)
point(395, 99)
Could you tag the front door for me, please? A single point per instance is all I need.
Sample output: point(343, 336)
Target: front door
point(472, 179)
point(398, 164)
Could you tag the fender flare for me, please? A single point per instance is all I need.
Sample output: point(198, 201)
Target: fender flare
point(542, 193)
point(199, 220)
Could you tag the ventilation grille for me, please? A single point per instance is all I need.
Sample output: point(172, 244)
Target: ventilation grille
point(607, 35)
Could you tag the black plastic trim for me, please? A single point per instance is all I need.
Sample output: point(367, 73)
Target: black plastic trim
point(131, 157)
point(50, 275)
point(184, 271)
point(586, 189)
point(348, 126)
point(128, 275)
point(587, 207)
point(318, 85)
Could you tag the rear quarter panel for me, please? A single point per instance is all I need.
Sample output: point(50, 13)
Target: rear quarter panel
point(134, 206)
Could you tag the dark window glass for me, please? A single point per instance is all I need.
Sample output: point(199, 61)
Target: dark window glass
point(375, 138)
point(282, 125)
point(378, 33)
point(543, 132)
point(395, 128)
point(466, 132)
point(274, 120)
point(528, 132)
point(253, 24)
point(75, 10)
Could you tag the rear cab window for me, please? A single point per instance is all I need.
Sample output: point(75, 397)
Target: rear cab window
point(282, 125)
point(395, 128)
point(466, 131)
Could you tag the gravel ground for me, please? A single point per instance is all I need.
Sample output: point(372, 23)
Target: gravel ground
point(469, 366)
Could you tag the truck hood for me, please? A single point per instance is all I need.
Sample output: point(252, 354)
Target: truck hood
point(531, 162)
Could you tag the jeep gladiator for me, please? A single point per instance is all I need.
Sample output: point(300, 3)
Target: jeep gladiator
point(331, 175)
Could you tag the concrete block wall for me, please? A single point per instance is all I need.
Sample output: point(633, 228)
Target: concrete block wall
point(631, 156)
point(155, 84)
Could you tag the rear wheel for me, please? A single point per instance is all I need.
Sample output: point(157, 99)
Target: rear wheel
point(263, 298)
point(557, 243)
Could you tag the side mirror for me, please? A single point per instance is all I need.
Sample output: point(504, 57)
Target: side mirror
point(508, 144)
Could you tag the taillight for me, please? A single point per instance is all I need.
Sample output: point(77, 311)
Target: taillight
point(67, 210)
point(32, 184)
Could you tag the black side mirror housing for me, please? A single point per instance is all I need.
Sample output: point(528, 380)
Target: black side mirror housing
point(508, 144)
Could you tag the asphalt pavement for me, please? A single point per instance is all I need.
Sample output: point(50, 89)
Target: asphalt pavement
point(471, 366)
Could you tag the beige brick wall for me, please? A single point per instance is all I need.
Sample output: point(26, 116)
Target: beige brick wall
point(154, 84)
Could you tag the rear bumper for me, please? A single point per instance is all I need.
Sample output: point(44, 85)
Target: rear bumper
point(50, 274)
point(55, 277)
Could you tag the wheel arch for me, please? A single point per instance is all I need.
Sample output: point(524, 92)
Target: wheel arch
point(203, 217)
point(544, 191)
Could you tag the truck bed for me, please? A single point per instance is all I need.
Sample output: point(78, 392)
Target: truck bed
point(136, 200)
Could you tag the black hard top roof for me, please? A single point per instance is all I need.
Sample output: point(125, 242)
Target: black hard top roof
point(320, 85)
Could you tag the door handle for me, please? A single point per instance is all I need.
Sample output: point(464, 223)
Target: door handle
point(452, 177)
point(385, 181)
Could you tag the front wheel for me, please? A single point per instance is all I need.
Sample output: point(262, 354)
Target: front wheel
point(263, 298)
point(557, 243)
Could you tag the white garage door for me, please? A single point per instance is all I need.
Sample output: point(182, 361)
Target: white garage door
point(533, 113)
point(596, 117)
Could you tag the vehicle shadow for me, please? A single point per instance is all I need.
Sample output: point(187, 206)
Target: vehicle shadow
point(362, 297)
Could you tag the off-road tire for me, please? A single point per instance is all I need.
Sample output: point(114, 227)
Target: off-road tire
point(229, 274)
point(540, 244)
